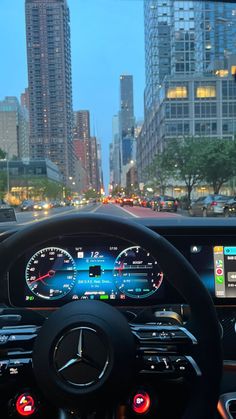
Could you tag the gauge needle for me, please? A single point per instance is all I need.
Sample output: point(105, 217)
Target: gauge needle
point(120, 268)
point(50, 274)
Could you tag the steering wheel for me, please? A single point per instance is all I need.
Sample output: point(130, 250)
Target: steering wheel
point(86, 351)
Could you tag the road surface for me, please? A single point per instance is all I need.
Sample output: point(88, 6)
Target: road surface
point(110, 209)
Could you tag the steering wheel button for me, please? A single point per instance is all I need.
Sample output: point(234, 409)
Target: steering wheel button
point(164, 335)
point(163, 364)
point(25, 404)
point(178, 336)
point(149, 358)
point(182, 365)
point(3, 367)
point(141, 403)
point(3, 339)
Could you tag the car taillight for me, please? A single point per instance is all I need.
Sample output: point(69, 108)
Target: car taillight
point(214, 203)
point(162, 203)
point(131, 200)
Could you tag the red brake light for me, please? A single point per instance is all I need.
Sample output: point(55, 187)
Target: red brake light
point(213, 203)
point(162, 203)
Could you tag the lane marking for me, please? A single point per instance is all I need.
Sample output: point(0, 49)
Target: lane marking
point(130, 213)
point(51, 216)
point(96, 208)
point(62, 213)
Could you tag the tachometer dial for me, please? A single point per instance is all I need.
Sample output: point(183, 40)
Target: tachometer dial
point(51, 273)
point(136, 273)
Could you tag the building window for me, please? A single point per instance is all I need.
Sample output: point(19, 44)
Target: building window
point(178, 92)
point(203, 92)
point(233, 70)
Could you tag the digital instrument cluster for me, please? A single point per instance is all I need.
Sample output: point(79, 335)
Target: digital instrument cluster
point(54, 275)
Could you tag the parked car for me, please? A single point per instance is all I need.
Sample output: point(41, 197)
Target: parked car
point(144, 202)
point(165, 203)
point(127, 201)
point(230, 207)
point(154, 202)
point(27, 205)
point(208, 206)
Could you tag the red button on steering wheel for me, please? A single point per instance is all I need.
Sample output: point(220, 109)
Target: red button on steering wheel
point(25, 404)
point(141, 402)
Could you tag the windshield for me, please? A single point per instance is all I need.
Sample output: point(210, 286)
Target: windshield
point(124, 107)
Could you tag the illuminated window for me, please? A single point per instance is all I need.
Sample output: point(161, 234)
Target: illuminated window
point(233, 70)
point(178, 92)
point(206, 91)
point(222, 73)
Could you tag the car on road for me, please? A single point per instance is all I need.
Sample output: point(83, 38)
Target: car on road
point(127, 201)
point(42, 205)
point(209, 206)
point(27, 205)
point(165, 203)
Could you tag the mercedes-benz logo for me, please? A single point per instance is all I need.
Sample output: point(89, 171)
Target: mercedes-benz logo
point(81, 356)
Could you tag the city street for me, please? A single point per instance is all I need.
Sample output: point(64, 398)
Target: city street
point(109, 209)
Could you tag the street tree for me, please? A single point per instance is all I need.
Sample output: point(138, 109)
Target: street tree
point(184, 158)
point(219, 162)
point(91, 194)
point(160, 171)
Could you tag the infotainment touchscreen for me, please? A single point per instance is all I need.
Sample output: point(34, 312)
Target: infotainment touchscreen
point(216, 266)
point(225, 271)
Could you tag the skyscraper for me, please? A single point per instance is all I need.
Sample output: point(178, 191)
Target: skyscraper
point(184, 37)
point(172, 45)
point(126, 124)
point(219, 32)
point(116, 151)
point(126, 115)
point(189, 56)
point(50, 86)
point(14, 128)
point(82, 125)
point(24, 99)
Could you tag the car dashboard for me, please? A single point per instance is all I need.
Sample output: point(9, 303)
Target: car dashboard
point(121, 273)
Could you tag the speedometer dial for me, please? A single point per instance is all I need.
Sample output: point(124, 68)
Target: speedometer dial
point(137, 274)
point(51, 273)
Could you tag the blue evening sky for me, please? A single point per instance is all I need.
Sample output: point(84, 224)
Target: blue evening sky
point(107, 39)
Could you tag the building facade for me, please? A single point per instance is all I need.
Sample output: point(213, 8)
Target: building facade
point(86, 152)
point(189, 62)
point(23, 173)
point(14, 128)
point(24, 99)
point(197, 105)
point(50, 85)
point(126, 125)
point(116, 151)
point(82, 124)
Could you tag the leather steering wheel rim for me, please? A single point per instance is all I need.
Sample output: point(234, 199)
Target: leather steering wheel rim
point(180, 273)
